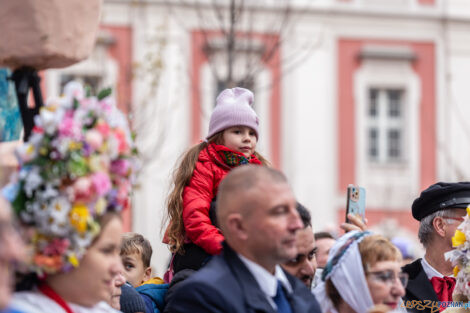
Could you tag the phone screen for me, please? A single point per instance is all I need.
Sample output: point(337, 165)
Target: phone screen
point(356, 201)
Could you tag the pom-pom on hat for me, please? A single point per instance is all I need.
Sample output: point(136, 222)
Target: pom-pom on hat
point(233, 108)
point(77, 165)
point(441, 196)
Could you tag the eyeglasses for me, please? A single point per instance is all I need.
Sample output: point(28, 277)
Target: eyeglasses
point(389, 277)
point(455, 218)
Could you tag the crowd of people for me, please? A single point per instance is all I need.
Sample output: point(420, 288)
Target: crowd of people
point(240, 240)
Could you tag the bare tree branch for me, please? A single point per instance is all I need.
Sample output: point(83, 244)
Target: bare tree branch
point(220, 17)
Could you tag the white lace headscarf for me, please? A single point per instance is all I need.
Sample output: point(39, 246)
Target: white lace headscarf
point(345, 270)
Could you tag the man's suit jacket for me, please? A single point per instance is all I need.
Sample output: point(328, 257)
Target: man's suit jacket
point(419, 287)
point(226, 285)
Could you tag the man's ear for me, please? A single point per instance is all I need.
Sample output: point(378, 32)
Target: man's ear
point(147, 274)
point(235, 226)
point(439, 226)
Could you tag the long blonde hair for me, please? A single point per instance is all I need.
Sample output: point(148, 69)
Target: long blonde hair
point(181, 178)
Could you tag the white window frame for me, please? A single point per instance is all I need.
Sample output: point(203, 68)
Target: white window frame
point(383, 123)
point(389, 184)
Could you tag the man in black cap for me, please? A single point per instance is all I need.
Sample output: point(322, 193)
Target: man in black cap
point(439, 209)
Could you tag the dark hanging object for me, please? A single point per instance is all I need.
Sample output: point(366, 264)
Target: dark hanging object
point(26, 78)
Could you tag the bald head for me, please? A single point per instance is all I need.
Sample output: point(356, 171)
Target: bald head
point(257, 214)
point(235, 189)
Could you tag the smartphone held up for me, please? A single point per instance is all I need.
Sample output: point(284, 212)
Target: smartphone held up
point(356, 202)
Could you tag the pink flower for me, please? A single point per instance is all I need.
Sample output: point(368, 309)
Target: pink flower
point(123, 194)
point(101, 182)
point(121, 167)
point(123, 147)
point(68, 127)
point(83, 188)
point(57, 246)
point(103, 128)
point(107, 104)
point(94, 139)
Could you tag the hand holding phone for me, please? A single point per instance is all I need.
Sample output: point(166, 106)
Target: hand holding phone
point(356, 202)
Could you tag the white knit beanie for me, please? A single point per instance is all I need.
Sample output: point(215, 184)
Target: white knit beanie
point(233, 108)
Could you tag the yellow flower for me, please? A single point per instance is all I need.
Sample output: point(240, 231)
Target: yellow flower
point(468, 210)
point(458, 239)
point(94, 228)
point(73, 260)
point(456, 270)
point(29, 149)
point(73, 145)
point(100, 206)
point(79, 217)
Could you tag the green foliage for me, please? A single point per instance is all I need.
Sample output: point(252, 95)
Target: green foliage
point(19, 203)
point(104, 93)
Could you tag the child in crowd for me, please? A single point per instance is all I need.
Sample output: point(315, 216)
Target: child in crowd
point(233, 134)
point(136, 253)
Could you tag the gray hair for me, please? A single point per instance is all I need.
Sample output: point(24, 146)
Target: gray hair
point(426, 229)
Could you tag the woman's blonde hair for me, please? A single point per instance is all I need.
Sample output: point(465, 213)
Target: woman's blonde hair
point(181, 178)
point(373, 249)
point(377, 248)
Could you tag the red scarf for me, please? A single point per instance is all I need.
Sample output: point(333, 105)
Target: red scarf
point(230, 158)
point(50, 293)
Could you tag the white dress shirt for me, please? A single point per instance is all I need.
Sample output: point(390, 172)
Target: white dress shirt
point(429, 270)
point(267, 281)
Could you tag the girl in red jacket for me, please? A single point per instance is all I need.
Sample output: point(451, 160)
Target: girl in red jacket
point(233, 134)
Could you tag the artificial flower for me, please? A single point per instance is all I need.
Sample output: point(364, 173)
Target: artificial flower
point(76, 166)
point(57, 246)
point(82, 190)
point(79, 217)
point(101, 183)
point(121, 167)
point(458, 239)
point(94, 139)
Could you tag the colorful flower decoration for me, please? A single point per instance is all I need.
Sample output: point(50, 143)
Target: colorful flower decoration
point(460, 257)
point(78, 164)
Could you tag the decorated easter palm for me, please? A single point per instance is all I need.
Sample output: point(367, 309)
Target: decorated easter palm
point(77, 165)
point(460, 258)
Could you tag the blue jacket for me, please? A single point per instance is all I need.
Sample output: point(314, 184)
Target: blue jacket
point(226, 285)
point(153, 295)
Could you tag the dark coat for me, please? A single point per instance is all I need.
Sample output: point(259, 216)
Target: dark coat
point(226, 285)
point(419, 287)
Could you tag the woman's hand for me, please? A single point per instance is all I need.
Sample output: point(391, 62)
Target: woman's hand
point(355, 223)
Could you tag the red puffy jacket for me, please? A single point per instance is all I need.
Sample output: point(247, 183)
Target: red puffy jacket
point(197, 196)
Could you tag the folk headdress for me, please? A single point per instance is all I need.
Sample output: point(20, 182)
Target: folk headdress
point(345, 270)
point(77, 165)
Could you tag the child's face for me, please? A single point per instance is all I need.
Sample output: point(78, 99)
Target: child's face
point(134, 269)
point(241, 139)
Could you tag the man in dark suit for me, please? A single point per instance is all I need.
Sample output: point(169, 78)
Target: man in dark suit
point(439, 209)
point(257, 214)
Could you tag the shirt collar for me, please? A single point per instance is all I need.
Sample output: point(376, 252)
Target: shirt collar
point(429, 270)
point(266, 281)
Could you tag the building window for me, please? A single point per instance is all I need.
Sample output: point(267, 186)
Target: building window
point(385, 125)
